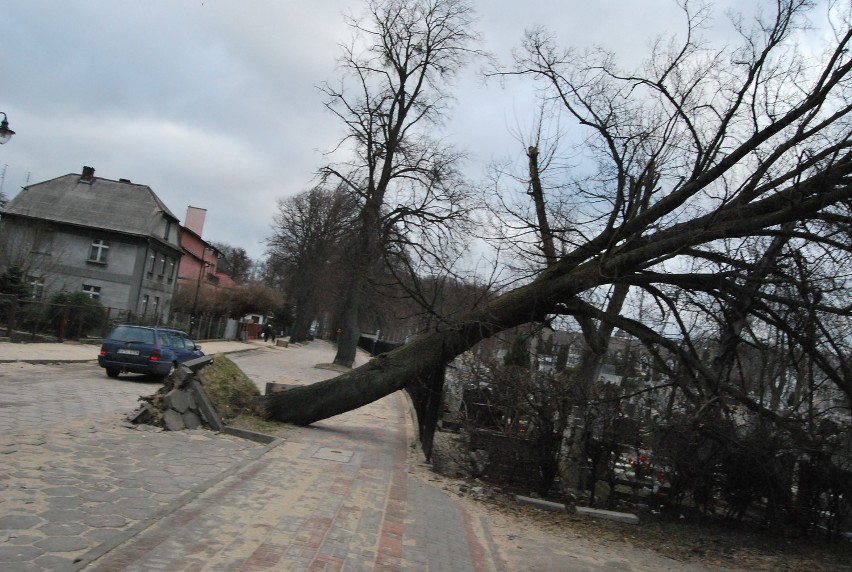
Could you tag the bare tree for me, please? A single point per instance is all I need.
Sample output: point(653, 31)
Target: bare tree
point(305, 250)
point(235, 262)
point(703, 158)
point(391, 98)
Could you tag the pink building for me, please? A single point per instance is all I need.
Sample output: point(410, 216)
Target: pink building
point(198, 270)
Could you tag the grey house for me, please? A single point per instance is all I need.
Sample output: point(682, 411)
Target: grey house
point(114, 240)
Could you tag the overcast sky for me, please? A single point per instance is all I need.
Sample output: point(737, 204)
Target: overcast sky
point(213, 103)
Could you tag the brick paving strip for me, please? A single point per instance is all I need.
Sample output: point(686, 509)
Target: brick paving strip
point(334, 496)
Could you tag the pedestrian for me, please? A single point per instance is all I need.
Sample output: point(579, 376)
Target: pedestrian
point(267, 332)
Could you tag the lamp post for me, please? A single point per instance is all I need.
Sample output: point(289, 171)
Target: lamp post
point(5, 132)
point(192, 323)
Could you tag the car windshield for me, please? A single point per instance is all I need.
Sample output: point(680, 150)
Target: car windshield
point(128, 334)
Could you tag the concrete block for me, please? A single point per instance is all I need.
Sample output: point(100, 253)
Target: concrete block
point(181, 376)
point(198, 363)
point(542, 504)
point(144, 414)
point(191, 420)
point(178, 400)
point(607, 514)
point(173, 420)
point(282, 343)
point(205, 406)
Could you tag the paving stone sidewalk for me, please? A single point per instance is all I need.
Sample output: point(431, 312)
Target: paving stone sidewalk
point(335, 496)
point(73, 493)
point(98, 494)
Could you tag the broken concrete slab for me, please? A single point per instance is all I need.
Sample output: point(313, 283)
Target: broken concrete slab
point(625, 517)
point(179, 400)
point(173, 420)
point(191, 420)
point(205, 406)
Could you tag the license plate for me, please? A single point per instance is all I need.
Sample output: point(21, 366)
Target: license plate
point(128, 352)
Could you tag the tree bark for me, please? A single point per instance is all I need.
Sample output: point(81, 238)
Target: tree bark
point(537, 192)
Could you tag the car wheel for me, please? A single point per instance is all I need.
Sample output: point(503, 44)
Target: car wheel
point(112, 372)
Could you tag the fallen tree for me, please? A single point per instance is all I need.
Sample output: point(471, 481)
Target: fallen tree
point(739, 155)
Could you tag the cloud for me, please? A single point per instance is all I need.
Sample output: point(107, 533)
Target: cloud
point(213, 103)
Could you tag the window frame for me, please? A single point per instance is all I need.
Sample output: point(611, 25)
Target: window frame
point(94, 292)
point(98, 251)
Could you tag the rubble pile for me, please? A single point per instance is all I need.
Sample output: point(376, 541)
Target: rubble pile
point(181, 403)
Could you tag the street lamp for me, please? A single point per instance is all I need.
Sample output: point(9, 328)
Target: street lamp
point(201, 268)
point(5, 132)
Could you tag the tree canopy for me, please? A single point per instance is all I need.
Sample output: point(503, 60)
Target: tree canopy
point(709, 220)
point(391, 99)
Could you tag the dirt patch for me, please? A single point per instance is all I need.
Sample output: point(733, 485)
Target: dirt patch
point(230, 390)
point(533, 539)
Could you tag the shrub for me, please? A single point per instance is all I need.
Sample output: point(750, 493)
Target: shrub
point(75, 314)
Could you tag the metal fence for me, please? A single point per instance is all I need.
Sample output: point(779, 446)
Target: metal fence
point(33, 320)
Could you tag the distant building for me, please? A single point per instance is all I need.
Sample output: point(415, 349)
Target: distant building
point(114, 240)
point(199, 273)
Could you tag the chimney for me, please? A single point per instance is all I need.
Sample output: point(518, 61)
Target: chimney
point(195, 219)
point(88, 175)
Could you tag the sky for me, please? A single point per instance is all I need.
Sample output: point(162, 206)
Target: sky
point(214, 103)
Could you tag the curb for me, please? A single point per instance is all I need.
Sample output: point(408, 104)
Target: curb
point(251, 435)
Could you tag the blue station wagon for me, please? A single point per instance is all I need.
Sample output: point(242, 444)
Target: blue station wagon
point(148, 350)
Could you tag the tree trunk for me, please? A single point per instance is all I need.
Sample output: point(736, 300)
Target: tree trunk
point(367, 251)
point(597, 345)
point(349, 332)
point(419, 360)
point(546, 235)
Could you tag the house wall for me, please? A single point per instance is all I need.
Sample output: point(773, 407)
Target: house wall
point(49, 228)
point(116, 277)
point(200, 254)
point(60, 256)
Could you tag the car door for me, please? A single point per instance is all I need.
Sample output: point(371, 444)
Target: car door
point(169, 345)
point(182, 346)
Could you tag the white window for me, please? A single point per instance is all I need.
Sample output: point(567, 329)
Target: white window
point(168, 229)
point(162, 265)
point(171, 274)
point(156, 305)
point(144, 304)
point(94, 292)
point(152, 261)
point(98, 252)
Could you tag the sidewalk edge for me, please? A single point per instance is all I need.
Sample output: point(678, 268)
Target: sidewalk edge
point(105, 548)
